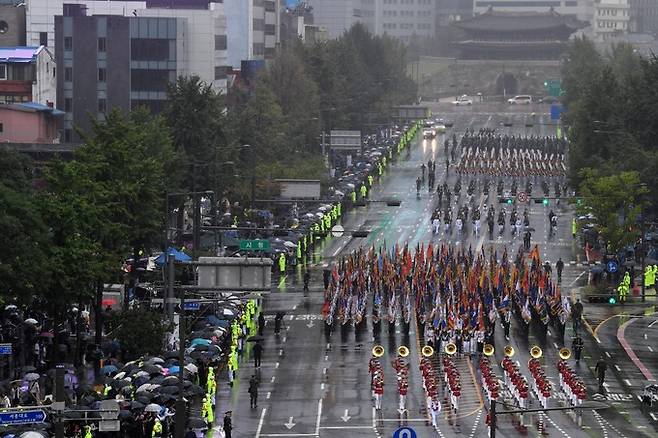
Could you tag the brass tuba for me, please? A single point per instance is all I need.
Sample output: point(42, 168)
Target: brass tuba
point(378, 351)
point(488, 350)
point(564, 353)
point(403, 351)
point(427, 351)
point(509, 351)
point(450, 348)
point(536, 352)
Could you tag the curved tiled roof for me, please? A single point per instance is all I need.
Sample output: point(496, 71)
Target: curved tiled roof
point(517, 21)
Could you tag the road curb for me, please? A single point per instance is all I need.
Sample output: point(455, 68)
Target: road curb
point(629, 351)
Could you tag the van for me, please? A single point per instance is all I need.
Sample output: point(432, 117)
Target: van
point(523, 99)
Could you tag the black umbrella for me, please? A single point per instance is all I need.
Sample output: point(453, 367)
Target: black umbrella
point(125, 415)
point(164, 398)
point(256, 338)
point(171, 354)
point(157, 380)
point(170, 381)
point(201, 347)
point(152, 369)
point(137, 405)
point(126, 390)
point(168, 390)
point(140, 381)
point(195, 390)
point(197, 423)
point(144, 400)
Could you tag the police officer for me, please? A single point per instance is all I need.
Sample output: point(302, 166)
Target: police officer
point(282, 264)
point(207, 412)
point(577, 347)
point(560, 267)
point(157, 428)
point(600, 369)
point(228, 424)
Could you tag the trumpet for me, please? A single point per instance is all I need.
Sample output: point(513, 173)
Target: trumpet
point(378, 351)
point(450, 348)
point(509, 351)
point(488, 350)
point(403, 351)
point(536, 352)
point(565, 353)
point(427, 351)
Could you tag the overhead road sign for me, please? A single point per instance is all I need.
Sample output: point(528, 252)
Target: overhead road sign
point(254, 245)
point(22, 417)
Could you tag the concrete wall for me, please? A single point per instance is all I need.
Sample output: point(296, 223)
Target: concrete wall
point(239, 16)
point(14, 17)
point(44, 90)
point(27, 127)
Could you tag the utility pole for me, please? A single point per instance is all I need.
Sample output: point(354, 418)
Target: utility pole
point(492, 425)
point(180, 401)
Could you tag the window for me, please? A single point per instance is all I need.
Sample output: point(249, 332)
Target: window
point(54, 75)
point(3, 71)
point(68, 44)
point(102, 105)
point(102, 75)
point(151, 49)
point(67, 135)
point(101, 44)
point(259, 24)
point(270, 29)
point(220, 42)
point(2, 128)
point(68, 104)
point(270, 6)
point(43, 38)
point(220, 72)
point(259, 49)
point(68, 74)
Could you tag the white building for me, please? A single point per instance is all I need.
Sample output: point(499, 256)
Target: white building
point(253, 30)
point(202, 46)
point(611, 19)
point(406, 18)
point(337, 16)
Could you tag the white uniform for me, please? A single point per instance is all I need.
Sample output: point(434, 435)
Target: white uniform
point(435, 410)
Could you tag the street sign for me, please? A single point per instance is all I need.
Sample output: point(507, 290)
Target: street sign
point(5, 350)
point(345, 140)
point(405, 432)
point(556, 111)
point(255, 245)
point(612, 266)
point(337, 231)
point(22, 417)
point(522, 197)
point(191, 305)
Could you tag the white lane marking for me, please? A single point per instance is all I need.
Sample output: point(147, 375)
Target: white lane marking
point(269, 394)
point(280, 352)
point(607, 354)
point(322, 386)
point(276, 365)
point(652, 324)
point(628, 382)
point(317, 421)
point(576, 279)
point(555, 345)
point(260, 422)
point(650, 349)
point(285, 338)
point(273, 379)
point(645, 336)
point(653, 416)
point(617, 368)
point(324, 370)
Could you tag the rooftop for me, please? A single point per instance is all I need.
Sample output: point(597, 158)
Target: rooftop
point(32, 107)
point(505, 21)
point(19, 53)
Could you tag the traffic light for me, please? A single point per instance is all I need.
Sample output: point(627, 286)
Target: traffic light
point(579, 201)
point(612, 299)
point(545, 83)
point(545, 201)
point(505, 200)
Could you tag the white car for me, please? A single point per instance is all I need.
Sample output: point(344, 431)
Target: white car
point(440, 128)
point(462, 100)
point(522, 99)
point(429, 133)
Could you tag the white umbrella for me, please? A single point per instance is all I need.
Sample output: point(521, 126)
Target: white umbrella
point(152, 407)
point(322, 208)
point(191, 368)
point(11, 307)
point(289, 244)
point(31, 321)
point(32, 434)
point(350, 185)
point(145, 387)
point(228, 312)
point(120, 375)
point(142, 374)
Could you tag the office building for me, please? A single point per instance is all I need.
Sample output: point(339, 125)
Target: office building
point(611, 19)
point(404, 19)
point(12, 24)
point(337, 16)
point(644, 16)
point(580, 9)
point(27, 74)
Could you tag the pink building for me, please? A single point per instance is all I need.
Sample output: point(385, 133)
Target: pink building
point(29, 122)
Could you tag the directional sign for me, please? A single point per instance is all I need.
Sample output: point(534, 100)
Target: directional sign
point(612, 266)
point(191, 305)
point(22, 417)
point(405, 432)
point(254, 245)
point(522, 197)
point(5, 350)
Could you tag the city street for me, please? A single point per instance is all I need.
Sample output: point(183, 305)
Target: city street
point(309, 387)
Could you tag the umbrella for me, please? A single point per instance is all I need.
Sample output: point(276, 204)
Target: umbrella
point(125, 415)
point(170, 381)
point(157, 380)
point(31, 321)
point(170, 390)
point(195, 390)
point(153, 369)
point(196, 423)
point(29, 369)
point(145, 399)
point(155, 361)
point(200, 341)
point(256, 338)
point(31, 377)
point(191, 368)
point(10, 307)
point(109, 302)
point(119, 384)
point(137, 405)
point(174, 369)
point(152, 408)
point(179, 256)
point(120, 375)
point(32, 434)
point(171, 354)
point(200, 347)
point(109, 369)
point(47, 335)
point(289, 244)
point(228, 312)
point(141, 374)
point(144, 388)
point(164, 398)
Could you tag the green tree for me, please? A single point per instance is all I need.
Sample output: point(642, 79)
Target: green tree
point(139, 332)
point(616, 201)
point(582, 62)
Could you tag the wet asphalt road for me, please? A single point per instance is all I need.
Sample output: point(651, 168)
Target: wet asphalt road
point(311, 388)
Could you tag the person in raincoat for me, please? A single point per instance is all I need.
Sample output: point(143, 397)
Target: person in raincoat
point(207, 411)
point(282, 264)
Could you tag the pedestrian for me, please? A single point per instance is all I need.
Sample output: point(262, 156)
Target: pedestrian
point(435, 410)
point(326, 276)
point(228, 425)
point(278, 319)
point(261, 324)
point(253, 392)
point(258, 353)
point(282, 264)
point(307, 279)
point(600, 368)
point(207, 411)
point(577, 347)
point(577, 314)
point(559, 266)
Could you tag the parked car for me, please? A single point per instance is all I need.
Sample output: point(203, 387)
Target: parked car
point(463, 100)
point(549, 100)
point(522, 99)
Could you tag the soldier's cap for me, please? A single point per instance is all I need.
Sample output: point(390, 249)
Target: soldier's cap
point(228, 412)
